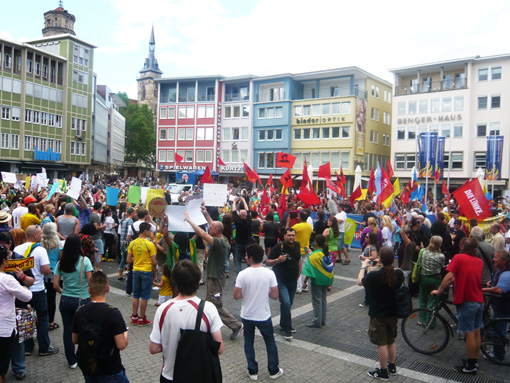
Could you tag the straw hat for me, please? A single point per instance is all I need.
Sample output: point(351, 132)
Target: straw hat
point(4, 217)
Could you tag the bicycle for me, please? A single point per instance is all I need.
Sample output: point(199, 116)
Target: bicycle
point(432, 336)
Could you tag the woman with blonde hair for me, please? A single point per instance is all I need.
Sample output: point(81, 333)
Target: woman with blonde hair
point(430, 261)
point(51, 243)
point(371, 228)
point(387, 231)
point(49, 214)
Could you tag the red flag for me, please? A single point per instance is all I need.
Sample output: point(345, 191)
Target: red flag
point(406, 193)
point(390, 169)
point(438, 175)
point(285, 160)
point(207, 177)
point(282, 207)
point(386, 187)
point(342, 177)
point(308, 197)
point(270, 184)
point(220, 161)
point(332, 186)
point(265, 199)
point(325, 171)
point(355, 195)
point(306, 182)
point(340, 184)
point(251, 174)
point(286, 179)
point(445, 191)
point(472, 201)
point(178, 158)
point(371, 182)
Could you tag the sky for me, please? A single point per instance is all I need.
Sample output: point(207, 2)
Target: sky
point(263, 37)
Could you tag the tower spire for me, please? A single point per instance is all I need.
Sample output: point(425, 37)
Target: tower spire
point(151, 64)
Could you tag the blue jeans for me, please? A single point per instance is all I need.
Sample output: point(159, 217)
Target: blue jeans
point(499, 336)
point(68, 306)
point(240, 252)
point(116, 378)
point(142, 284)
point(40, 306)
point(123, 257)
point(286, 292)
point(18, 356)
point(470, 316)
point(266, 330)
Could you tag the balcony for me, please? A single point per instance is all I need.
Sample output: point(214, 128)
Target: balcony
point(272, 96)
point(208, 97)
point(236, 97)
point(336, 92)
point(434, 86)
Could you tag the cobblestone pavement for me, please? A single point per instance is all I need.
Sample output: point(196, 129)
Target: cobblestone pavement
point(338, 352)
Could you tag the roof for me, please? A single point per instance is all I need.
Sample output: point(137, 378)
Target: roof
point(34, 48)
point(239, 78)
point(205, 77)
point(61, 37)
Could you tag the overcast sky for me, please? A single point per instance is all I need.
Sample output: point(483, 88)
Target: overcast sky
point(261, 37)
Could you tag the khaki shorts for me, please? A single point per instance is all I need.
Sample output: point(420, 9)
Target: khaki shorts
point(383, 331)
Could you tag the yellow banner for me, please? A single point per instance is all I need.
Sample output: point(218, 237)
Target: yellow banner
point(396, 188)
point(153, 193)
point(485, 224)
point(363, 195)
point(23, 264)
point(27, 183)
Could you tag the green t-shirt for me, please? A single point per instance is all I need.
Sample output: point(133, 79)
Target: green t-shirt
point(72, 280)
point(217, 258)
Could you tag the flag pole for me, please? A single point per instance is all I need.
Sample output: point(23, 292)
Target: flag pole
point(436, 168)
point(449, 161)
point(427, 169)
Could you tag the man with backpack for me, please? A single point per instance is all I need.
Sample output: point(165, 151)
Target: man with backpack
point(100, 333)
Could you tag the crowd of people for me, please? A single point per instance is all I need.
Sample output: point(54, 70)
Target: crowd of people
point(302, 246)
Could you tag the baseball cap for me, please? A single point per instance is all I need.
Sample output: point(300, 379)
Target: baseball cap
point(29, 199)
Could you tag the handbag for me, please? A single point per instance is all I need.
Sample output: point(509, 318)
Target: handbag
point(415, 276)
point(403, 301)
point(26, 324)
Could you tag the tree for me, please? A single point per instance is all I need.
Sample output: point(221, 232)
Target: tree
point(140, 132)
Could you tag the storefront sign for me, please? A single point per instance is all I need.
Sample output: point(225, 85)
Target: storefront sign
point(319, 120)
point(49, 155)
point(235, 169)
point(177, 167)
point(429, 119)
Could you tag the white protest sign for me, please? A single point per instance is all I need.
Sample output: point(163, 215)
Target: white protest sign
point(215, 194)
point(74, 188)
point(176, 220)
point(9, 178)
point(195, 212)
point(507, 194)
point(144, 194)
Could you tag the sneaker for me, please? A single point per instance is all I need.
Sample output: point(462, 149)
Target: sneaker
point(313, 324)
point(155, 288)
point(235, 334)
point(465, 362)
point(292, 330)
point(134, 320)
point(73, 366)
point(464, 369)
point(288, 336)
point(50, 351)
point(278, 374)
point(253, 376)
point(28, 353)
point(378, 374)
point(364, 304)
point(491, 355)
point(128, 295)
point(19, 375)
point(143, 321)
point(392, 369)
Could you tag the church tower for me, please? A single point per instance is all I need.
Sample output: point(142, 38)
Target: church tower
point(147, 88)
point(58, 22)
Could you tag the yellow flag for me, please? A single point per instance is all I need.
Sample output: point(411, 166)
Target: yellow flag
point(396, 188)
point(153, 193)
point(387, 203)
point(363, 195)
point(27, 183)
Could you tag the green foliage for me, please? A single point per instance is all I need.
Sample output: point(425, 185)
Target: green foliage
point(140, 133)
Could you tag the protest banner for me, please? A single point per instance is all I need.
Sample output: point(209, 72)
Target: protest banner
point(215, 194)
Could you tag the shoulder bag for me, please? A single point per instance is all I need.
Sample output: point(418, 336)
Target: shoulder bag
point(415, 276)
point(403, 302)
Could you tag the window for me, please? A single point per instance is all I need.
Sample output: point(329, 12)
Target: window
point(297, 134)
point(235, 134)
point(171, 112)
point(226, 156)
point(306, 110)
point(15, 113)
point(35, 143)
point(73, 147)
point(458, 104)
point(278, 112)
point(482, 102)
point(423, 106)
point(44, 147)
point(58, 122)
point(325, 133)
point(335, 160)
point(345, 160)
point(401, 108)
point(457, 130)
point(262, 135)
point(246, 110)
point(190, 112)
point(496, 73)
point(483, 74)
point(262, 113)
point(36, 116)
point(228, 112)
point(200, 156)
point(5, 141)
point(181, 153)
point(162, 156)
point(181, 134)
point(374, 136)
point(6, 113)
point(278, 134)
point(346, 107)
point(494, 129)
point(401, 133)
point(495, 102)
point(235, 156)
point(481, 130)
point(306, 134)
point(479, 160)
point(162, 134)
point(189, 156)
point(445, 130)
point(374, 114)
point(335, 108)
point(270, 135)
point(163, 113)
point(269, 112)
point(28, 143)
point(325, 109)
point(375, 91)
point(298, 110)
point(400, 161)
point(335, 132)
point(410, 160)
point(244, 133)
point(200, 134)
point(51, 119)
point(457, 160)
point(182, 112)
point(346, 131)
point(208, 155)
point(411, 133)
point(434, 105)
point(446, 104)
point(387, 96)
point(170, 156)
point(201, 111)
point(58, 146)
point(262, 160)
point(189, 134)
point(316, 133)
point(170, 134)
point(411, 107)
point(237, 111)
point(226, 134)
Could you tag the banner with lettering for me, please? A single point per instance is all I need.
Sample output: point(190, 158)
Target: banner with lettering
point(494, 157)
point(440, 158)
point(472, 200)
point(427, 145)
point(353, 230)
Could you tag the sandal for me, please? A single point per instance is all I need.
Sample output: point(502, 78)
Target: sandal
point(346, 262)
point(53, 326)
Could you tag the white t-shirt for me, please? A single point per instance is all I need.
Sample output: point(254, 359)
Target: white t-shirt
point(256, 283)
point(386, 234)
point(17, 213)
point(341, 216)
point(40, 259)
point(182, 315)
point(136, 225)
point(109, 221)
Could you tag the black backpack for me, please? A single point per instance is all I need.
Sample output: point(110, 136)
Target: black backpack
point(91, 354)
point(196, 358)
point(135, 233)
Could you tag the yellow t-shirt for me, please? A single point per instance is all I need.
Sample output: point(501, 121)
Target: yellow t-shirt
point(166, 288)
point(303, 233)
point(29, 219)
point(142, 251)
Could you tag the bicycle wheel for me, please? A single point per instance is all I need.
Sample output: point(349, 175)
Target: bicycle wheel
point(424, 338)
point(496, 341)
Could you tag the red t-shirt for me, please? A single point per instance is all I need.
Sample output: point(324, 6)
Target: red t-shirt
point(468, 278)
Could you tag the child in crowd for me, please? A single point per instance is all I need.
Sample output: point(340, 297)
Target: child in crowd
point(165, 292)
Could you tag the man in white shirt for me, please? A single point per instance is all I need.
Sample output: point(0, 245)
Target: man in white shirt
point(20, 211)
point(341, 217)
point(255, 285)
point(32, 248)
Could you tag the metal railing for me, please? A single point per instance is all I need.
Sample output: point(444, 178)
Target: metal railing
point(271, 96)
point(431, 86)
point(236, 97)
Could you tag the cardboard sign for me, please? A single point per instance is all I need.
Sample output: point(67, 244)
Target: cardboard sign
point(9, 178)
point(75, 188)
point(134, 194)
point(215, 194)
point(156, 207)
point(23, 264)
